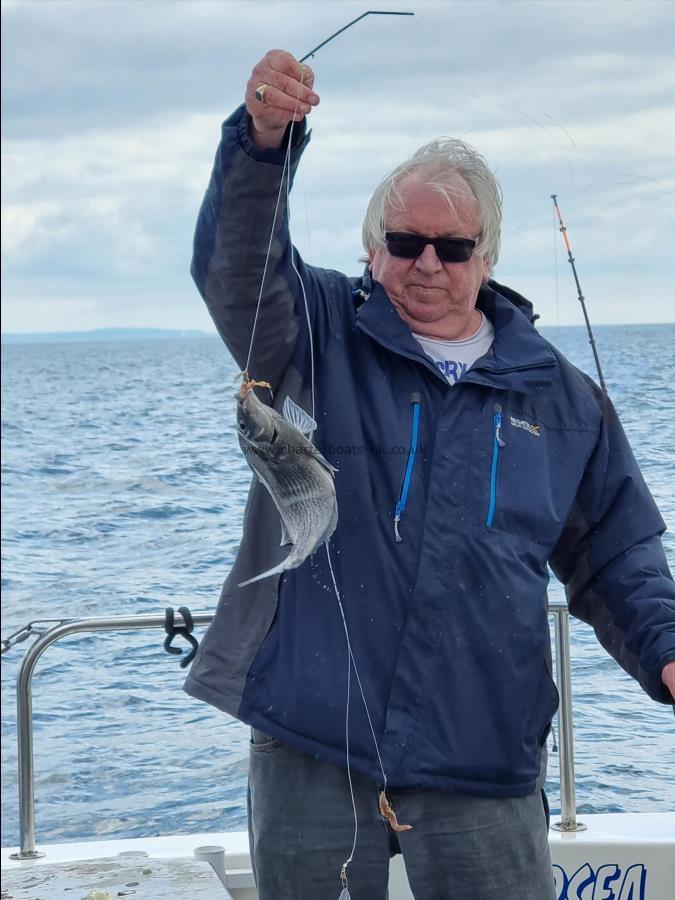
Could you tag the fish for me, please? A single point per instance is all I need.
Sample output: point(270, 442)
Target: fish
point(299, 479)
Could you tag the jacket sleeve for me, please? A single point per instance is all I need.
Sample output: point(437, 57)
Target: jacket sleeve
point(612, 563)
point(233, 233)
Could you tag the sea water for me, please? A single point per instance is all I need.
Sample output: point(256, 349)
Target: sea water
point(123, 493)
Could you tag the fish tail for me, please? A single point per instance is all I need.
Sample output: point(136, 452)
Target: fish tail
point(275, 571)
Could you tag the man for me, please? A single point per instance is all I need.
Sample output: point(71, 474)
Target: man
point(470, 456)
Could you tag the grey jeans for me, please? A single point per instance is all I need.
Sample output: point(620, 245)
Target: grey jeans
point(461, 847)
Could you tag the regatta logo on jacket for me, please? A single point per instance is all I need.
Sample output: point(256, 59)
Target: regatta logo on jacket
point(531, 429)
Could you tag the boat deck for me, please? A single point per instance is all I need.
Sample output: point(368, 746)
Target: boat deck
point(141, 868)
point(108, 879)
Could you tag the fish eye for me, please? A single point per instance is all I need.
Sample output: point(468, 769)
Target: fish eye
point(242, 426)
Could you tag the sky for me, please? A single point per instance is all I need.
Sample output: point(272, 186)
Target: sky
point(111, 113)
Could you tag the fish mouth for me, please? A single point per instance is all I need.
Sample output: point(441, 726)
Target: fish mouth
point(247, 386)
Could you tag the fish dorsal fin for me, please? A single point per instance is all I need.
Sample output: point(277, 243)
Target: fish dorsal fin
point(296, 416)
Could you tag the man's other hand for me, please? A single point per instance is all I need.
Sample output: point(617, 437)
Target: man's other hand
point(668, 677)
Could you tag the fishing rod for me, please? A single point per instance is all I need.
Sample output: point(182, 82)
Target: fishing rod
point(371, 12)
point(570, 258)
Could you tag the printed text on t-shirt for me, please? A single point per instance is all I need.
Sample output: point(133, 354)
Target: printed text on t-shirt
point(452, 370)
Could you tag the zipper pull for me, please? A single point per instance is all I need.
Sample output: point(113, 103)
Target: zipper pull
point(498, 425)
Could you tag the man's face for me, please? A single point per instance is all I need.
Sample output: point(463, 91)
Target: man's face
point(433, 298)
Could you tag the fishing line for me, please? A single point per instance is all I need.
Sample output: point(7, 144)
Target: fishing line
point(351, 661)
point(514, 108)
point(343, 871)
point(564, 131)
point(356, 671)
point(286, 172)
point(269, 250)
point(531, 119)
point(295, 269)
point(431, 22)
point(649, 181)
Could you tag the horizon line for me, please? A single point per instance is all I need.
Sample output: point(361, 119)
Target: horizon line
point(198, 331)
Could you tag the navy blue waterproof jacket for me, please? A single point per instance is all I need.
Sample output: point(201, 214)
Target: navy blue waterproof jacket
point(521, 465)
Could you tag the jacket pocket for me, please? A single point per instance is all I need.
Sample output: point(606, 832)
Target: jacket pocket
point(528, 474)
point(544, 708)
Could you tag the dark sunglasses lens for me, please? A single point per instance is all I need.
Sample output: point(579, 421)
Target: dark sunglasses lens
point(407, 246)
point(454, 250)
point(410, 246)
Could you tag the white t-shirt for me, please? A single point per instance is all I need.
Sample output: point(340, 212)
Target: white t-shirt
point(454, 358)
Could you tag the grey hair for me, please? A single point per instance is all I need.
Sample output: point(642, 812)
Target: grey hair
point(435, 164)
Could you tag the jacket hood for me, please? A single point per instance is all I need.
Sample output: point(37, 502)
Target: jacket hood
point(526, 308)
point(510, 364)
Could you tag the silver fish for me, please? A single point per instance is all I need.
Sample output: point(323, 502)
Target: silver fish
point(299, 479)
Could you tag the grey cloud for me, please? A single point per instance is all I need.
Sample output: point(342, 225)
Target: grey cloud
point(112, 113)
point(74, 65)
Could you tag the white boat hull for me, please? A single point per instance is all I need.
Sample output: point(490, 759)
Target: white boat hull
point(620, 856)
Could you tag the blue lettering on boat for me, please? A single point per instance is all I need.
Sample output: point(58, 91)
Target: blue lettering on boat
point(609, 882)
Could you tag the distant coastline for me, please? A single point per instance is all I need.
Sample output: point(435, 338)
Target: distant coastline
point(101, 334)
point(159, 334)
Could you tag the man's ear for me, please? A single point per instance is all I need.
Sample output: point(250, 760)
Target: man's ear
point(486, 271)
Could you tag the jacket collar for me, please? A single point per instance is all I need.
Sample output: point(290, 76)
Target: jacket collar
point(519, 359)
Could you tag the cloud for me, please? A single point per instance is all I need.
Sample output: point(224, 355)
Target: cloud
point(112, 111)
point(120, 60)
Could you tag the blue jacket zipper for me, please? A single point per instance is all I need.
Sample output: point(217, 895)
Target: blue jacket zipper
point(403, 497)
point(496, 445)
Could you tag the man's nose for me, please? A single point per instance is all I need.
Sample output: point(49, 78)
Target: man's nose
point(428, 261)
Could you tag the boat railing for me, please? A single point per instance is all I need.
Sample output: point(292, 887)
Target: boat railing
point(67, 627)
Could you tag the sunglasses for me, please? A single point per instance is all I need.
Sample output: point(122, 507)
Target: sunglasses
point(411, 246)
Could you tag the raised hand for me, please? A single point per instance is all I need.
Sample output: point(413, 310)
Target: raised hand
point(279, 91)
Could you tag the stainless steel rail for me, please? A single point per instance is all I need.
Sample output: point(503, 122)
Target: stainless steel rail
point(24, 704)
point(131, 623)
point(568, 804)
